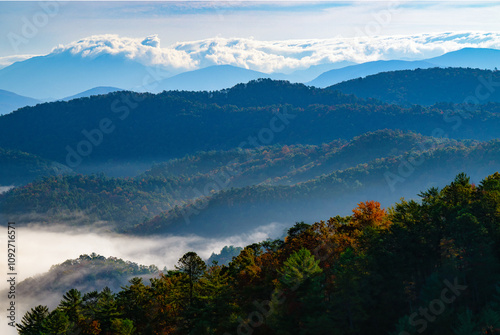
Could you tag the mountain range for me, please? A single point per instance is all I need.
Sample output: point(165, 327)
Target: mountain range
point(466, 58)
point(11, 101)
point(145, 128)
point(427, 87)
point(101, 90)
point(256, 153)
point(60, 75)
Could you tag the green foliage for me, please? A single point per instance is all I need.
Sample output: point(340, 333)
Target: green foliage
point(122, 327)
point(32, 321)
point(466, 324)
point(299, 267)
point(57, 322)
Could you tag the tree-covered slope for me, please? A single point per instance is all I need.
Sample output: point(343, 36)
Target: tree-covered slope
point(387, 179)
point(427, 86)
point(18, 168)
point(125, 127)
point(120, 203)
point(430, 265)
point(86, 273)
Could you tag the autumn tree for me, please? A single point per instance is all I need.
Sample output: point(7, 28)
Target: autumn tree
point(369, 214)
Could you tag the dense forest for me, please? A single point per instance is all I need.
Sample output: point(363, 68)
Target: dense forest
point(430, 265)
point(125, 128)
point(223, 164)
point(237, 190)
point(427, 86)
point(388, 179)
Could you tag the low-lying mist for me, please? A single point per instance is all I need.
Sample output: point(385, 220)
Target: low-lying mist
point(38, 248)
point(4, 189)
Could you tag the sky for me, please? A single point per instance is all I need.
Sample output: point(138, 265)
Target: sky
point(35, 28)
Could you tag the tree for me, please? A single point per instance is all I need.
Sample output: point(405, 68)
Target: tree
point(72, 304)
point(298, 304)
point(122, 327)
point(215, 298)
point(193, 266)
point(300, 267)
point(369, 214)
point(57, 323)
point(106, 309)
point(137, 303)
point(32, 321)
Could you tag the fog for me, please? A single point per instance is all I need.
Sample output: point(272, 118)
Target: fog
point(38, 248)
point(4, 189)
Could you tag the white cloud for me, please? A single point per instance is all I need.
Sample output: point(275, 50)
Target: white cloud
point(146, 51)
point(8, 60)
point(277, 56)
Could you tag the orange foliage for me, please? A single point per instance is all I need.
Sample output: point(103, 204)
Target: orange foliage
point(369, 214)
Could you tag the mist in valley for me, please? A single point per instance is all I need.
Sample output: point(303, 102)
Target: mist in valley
point(40, 247)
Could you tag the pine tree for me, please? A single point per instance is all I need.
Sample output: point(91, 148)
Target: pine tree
point(32, 321)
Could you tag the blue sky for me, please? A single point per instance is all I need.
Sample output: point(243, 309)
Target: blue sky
point(188, 21)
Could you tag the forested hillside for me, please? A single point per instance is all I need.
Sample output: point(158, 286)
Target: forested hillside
point(387, 179)
point(18, 168)
point(430, 265)
point(427, 86)
point(237, 190)
point(87, 273)
point(125, 128)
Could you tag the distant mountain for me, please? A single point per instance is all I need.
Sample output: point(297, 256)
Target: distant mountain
point(10, 101)
point(305, 75)
point(426, 86)
point(469, 57)
point(211, 78)
point(93, 91)
point(362, 70)
point(85, 64)
point(60, 75)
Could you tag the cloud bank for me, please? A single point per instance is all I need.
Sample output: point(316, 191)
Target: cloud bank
point(276, 56)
